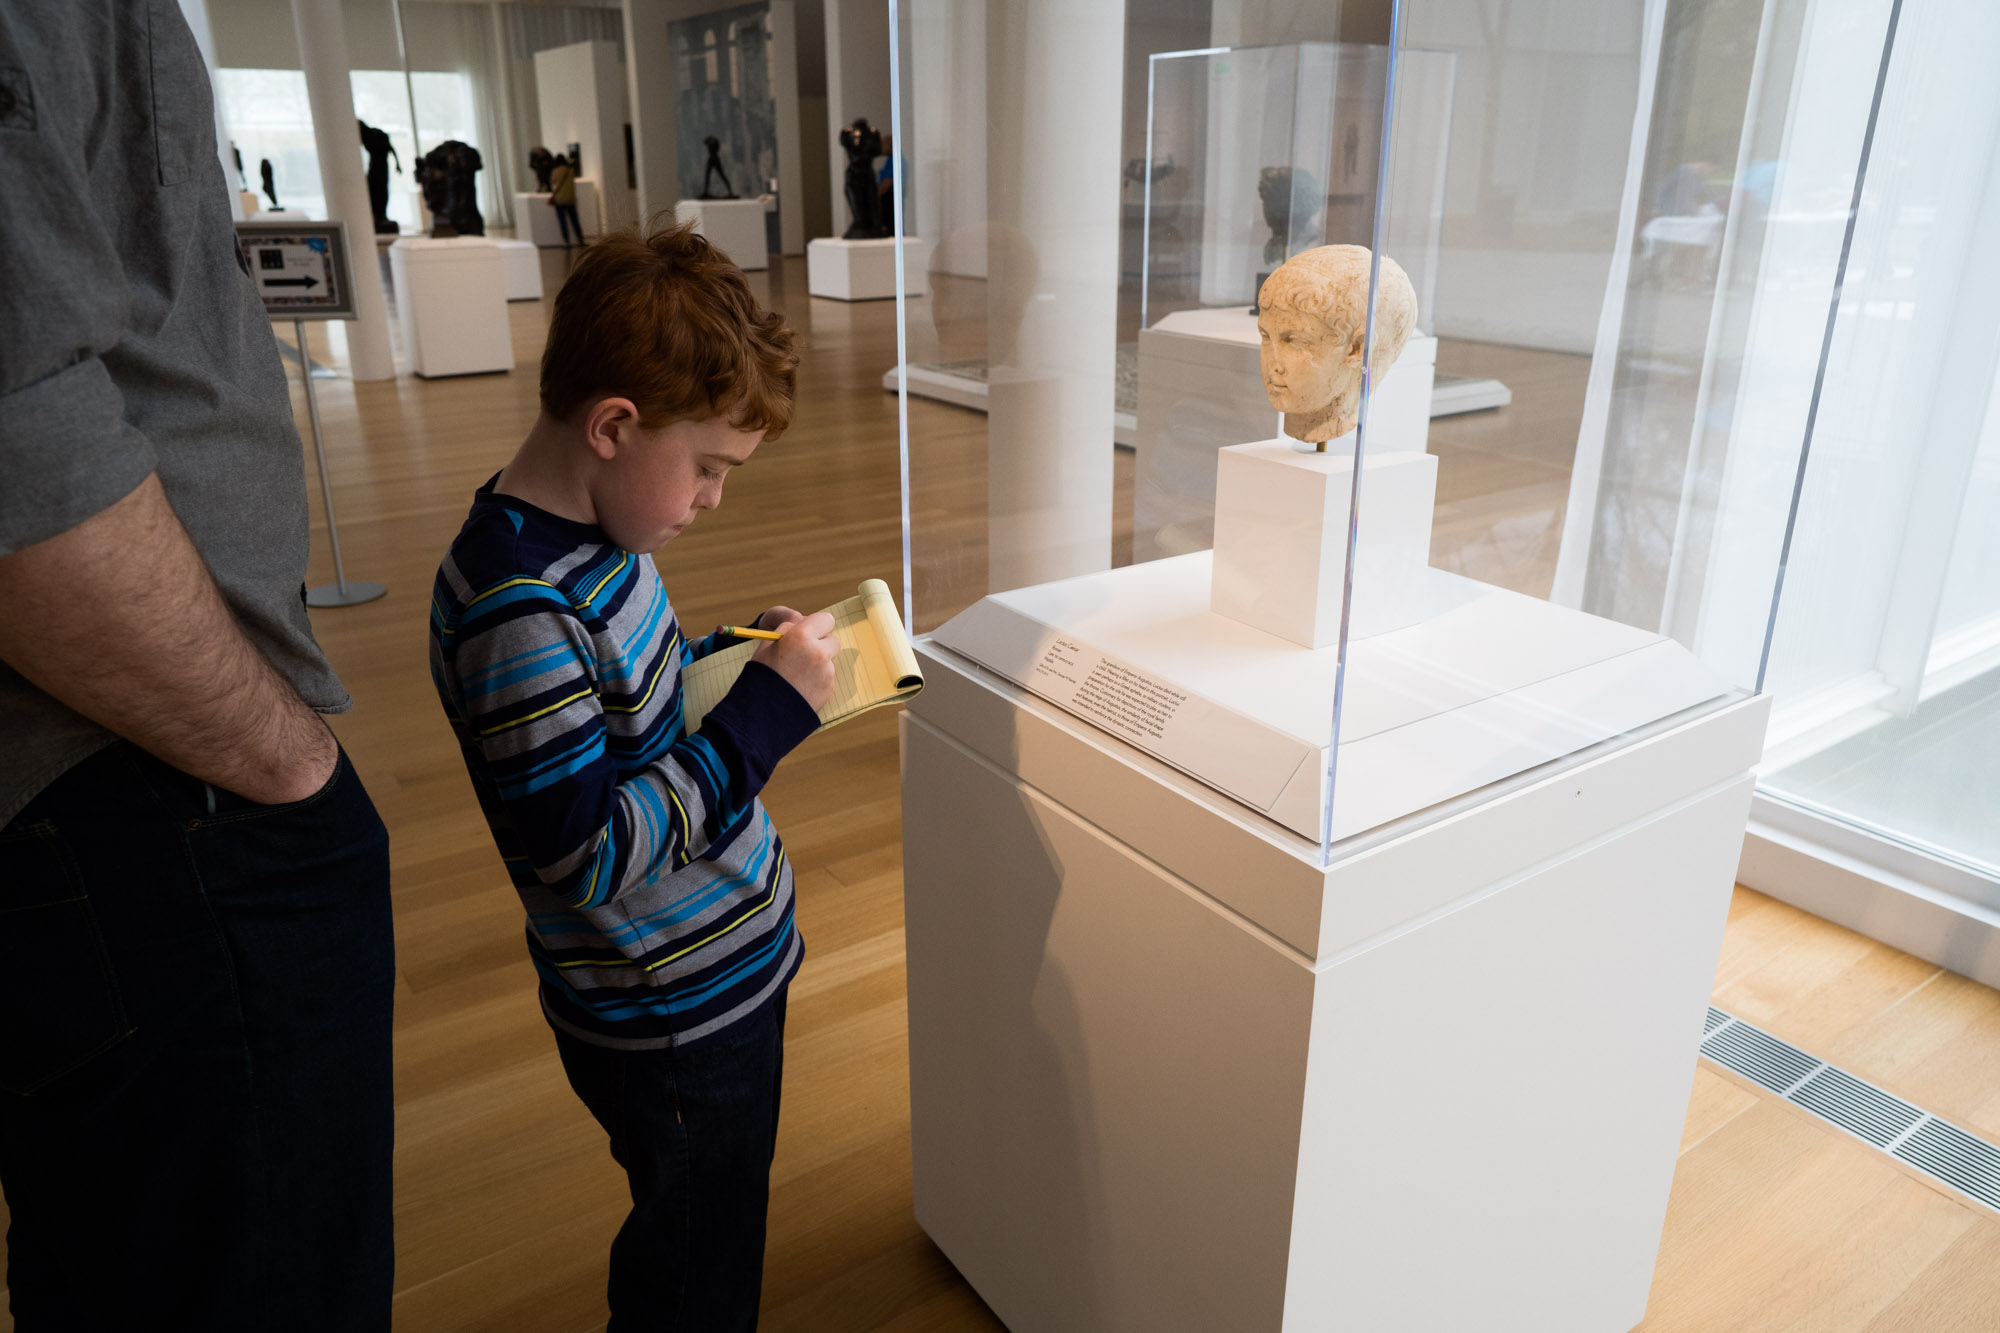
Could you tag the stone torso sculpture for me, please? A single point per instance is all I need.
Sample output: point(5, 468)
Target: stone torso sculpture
point(714, 169)
point(447, 174)
point(863, 143)
point(1312, 323)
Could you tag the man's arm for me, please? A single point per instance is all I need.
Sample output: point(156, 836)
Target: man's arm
point(104, 602)
point(119, 618)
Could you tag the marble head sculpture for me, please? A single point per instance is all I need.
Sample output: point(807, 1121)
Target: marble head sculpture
point(1312, 320)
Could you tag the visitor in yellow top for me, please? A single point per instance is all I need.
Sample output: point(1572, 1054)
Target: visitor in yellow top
point(562, 194)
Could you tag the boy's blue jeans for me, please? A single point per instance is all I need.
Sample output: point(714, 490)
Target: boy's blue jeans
point(694, 1129)
point(195, 1113)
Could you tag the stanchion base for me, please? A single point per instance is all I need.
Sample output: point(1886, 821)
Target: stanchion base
point(355, 593)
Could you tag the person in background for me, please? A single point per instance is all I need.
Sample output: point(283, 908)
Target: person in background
point(196, 961)
point(562, 196)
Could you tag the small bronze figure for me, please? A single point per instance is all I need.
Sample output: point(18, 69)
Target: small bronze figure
point(714, 169)
point(863, 143)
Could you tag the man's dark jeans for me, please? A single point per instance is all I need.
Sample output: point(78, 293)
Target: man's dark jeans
point(694, 1129)
point(195, 1114)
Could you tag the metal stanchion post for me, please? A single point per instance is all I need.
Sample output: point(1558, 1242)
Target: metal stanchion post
point(340, 592)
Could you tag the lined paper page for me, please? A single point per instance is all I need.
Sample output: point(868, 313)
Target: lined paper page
point(875, 665)
point(704, 683)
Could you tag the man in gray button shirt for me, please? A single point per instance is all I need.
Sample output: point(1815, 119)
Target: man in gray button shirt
point(195, 949)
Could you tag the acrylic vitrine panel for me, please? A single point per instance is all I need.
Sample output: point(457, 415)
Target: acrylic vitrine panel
point(1646, 220)
point(1885, 661)
point(1587, 202)
point(1252, 156)
point(1022, 374)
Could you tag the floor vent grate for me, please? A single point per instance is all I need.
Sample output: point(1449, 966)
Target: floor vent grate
point(1944, 1152)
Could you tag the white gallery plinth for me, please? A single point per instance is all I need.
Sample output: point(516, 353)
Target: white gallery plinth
point(1281, 521)
point(1201, 389)
point(843, 270)
point(1169, 1072)
point(451, 301)
point(520, 269)
point(590, 208)
point(535, 217)
point(535, 220)
point(733, 226)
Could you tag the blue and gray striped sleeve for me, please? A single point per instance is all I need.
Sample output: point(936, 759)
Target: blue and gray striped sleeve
point(524, 682)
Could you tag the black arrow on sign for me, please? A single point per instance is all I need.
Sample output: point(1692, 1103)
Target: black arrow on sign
point(308, 283)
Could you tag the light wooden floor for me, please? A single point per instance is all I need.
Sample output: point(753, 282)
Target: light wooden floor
point(506, 1197)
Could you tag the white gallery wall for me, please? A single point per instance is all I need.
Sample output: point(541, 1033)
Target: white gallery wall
point(944, 110)
point(1541, 119)
point(582, 93)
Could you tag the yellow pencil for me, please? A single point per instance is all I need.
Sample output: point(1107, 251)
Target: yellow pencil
point(742, 633)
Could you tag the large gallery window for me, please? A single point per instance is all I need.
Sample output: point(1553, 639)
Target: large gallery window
point(267, 116)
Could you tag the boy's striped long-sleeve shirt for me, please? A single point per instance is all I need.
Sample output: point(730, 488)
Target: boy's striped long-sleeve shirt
point(659, 897)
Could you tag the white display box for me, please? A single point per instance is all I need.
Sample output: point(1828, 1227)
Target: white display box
point(733, 226)
point(451, 301)
point(589, 207)
point(521, 269)
point(1201, 389)
point(843, 270)
point(1170, 1073)
point(1281, 520)
point(535, 220)
point(1487, 684)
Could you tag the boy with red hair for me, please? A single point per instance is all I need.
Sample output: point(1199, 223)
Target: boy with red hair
point(658, 894)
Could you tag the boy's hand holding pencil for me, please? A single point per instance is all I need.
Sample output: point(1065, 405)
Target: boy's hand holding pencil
point(800, 648)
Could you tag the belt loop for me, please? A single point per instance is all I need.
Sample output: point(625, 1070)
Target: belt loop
point(209, 792)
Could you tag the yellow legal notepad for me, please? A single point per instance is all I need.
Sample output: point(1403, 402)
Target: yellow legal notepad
point(876, 664)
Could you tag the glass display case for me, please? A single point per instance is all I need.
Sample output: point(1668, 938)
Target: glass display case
point(1279, 777)
point(1477, 569)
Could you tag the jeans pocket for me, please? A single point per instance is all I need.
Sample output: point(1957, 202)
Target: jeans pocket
point(59, 1001)
point(227, 807)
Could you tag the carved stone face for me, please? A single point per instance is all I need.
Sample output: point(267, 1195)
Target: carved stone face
point(1312, 321)
point(1306, 363)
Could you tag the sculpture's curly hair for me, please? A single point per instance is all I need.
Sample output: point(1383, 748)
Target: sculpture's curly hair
point(664, 318)
point(1312, 282)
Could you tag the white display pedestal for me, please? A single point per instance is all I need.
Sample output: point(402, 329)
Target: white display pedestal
point(1170, 1073)
point(451, 301)
point(535, 220)
point(1281, 520)
point(733, 226)
point(520, 269)
point(589, 208)
point(1201, 389)
point(844, 270)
